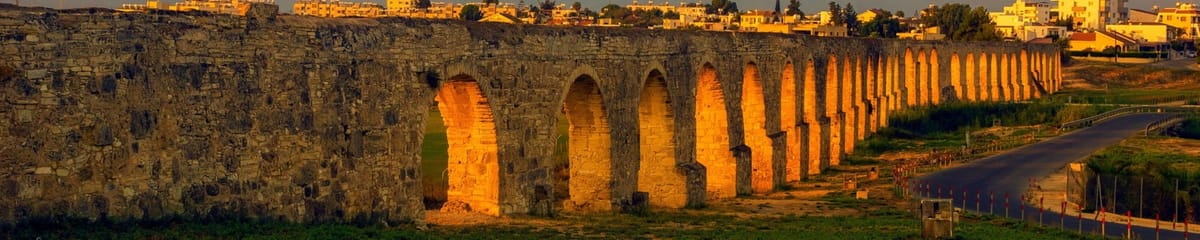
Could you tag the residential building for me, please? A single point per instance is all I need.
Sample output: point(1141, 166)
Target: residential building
point(650, 6)
point(1040, 30)
point(1037, 12)
point(825, 17)
point(869, 14)
point(821, 30)
point(1092, 14)
point(401, 5)
point(337, 9)
point(235, 7)
point(1099, 40)
point(1143, 32)
point(133, 7)
point(1138, 15)
point(923, 33)
point(1183, 16)
point(695, 11)
point(434, 11)
point(774, 28)
point(750, 20)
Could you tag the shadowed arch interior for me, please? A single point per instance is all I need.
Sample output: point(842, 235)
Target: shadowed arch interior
point(754, 123)
point(472, 168)
point(657, 174)
point(588, 147)
point(787, 121)
point(712, 136)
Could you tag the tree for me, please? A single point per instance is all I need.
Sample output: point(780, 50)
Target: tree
point(883, 26)
point(961, 23)
point(851, 18)
point(722, 6)
point(470, 13)
point(576, 6)
point(1064, 22)
point(490, 2)
point(670, 15)
point(900, 14)
point(423, 4)
point(548, 5)
point(588, 12)
point(836, 18)
point(615, 12)
point(793, 8)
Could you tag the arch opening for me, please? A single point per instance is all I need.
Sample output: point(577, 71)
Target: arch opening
point(1023, 75)
point(910, 78)
point(472, 166)
point(712, 136)
point(956, 76)
point(833, 112)
point(923, 80)
point(754, 120)
point(811, 125)
point(787, 122)
point(971, 78)
point(935, 79)
point(588, 156)
point(658, 174)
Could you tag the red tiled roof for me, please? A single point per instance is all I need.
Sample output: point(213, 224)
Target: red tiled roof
point(1091, 36)
point(1042, 41)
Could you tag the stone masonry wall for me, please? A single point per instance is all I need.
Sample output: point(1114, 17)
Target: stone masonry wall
point(135, 115)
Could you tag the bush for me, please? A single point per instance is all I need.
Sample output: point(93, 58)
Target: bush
point(1190, 128)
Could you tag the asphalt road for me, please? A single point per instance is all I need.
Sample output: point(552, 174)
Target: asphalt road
point(1010, 172)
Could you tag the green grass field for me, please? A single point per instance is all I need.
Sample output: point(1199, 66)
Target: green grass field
point(879, 224)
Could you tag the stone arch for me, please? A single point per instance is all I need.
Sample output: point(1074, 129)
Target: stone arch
point(588, 147)
point(872, 93)
point(788, 121)
point(910, 78)
point(833, 112)
point(970, 78)
point(1014, 76)
point(811, 123)
point(1024, 75)
point(473, 167)
point(658, 174)
point(754, 119)
point(712, 135)
point(956, 77)
point(984, 84)
point(993, 78)
point(922, 83)
point(935, 78)
point(848, 107)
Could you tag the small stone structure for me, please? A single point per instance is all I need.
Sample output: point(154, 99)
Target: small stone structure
point(146, 115)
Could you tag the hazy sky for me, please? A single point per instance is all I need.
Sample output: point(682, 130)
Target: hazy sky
point(809, 6)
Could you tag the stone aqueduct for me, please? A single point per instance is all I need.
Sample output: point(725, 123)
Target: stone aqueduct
point(305, 119)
